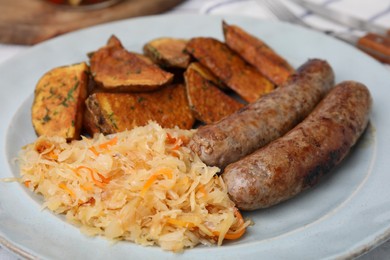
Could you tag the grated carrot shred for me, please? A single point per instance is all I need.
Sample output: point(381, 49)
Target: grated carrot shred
point(100, 183)
point(111, 142)
point(97, 183)
point(178, 142)
point(85, 187)
point(153, 178)
point(27, 184)
point(170, 139)
point(64, 187)
point(52, 155)
point(239, 232)
point(235, 235)
point(103, 179)
point(202, 189)
point(103, 146)
point(93, 149)
point(180, 223)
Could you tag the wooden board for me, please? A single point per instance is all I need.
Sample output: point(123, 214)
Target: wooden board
point(31, 21)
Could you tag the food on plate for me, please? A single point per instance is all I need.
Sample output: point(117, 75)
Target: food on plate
point(207, 102)
point(115, 69)
point(144, 175)
point(168, 52)
point(257, 53)
point(142, 185)
point(300, 158)
point(229, 67)
point(132, 77)
point(58, 103)
point(115, 112)
point(268, 118)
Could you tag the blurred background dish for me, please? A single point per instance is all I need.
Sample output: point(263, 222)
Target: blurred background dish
point(85, 4)
point(28, 22)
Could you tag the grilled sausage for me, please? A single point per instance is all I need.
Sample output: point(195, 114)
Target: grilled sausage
point(266, 119)
point(300, 158)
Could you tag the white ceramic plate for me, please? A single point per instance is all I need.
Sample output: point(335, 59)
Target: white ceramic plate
point(345, 215)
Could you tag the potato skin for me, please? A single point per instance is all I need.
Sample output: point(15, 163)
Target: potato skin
point(116, 69)
point(258, 53)
point(59, 101)
point(207, 74)
point(168, 52)
point(207, 101)
point(115, 112)
point(230, 68)
point(89, 125)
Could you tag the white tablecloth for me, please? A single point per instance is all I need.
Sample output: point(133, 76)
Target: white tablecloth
point(377, 11)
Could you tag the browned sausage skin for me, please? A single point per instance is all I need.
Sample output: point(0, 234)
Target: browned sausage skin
point(266, 119)
point(297, 160)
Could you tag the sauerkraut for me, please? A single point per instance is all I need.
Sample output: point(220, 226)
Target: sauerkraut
point(142, 185)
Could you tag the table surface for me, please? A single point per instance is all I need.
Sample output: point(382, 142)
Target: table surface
point(377, 11)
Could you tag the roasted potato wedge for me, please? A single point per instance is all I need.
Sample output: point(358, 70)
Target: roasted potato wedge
point(116, 69)
point(208, 103)
point(59, 98)
point(257, 53)
point(115, 112)
point(168, 52)
point(225, 64)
